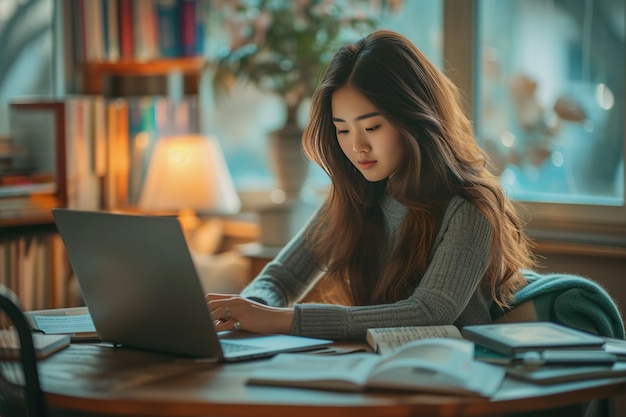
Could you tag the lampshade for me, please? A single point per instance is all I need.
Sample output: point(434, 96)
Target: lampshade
point(189, 173)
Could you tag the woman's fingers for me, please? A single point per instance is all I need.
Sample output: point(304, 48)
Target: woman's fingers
point(223, 307)
point(222, 313)
point(233, 312)
point(215, 296)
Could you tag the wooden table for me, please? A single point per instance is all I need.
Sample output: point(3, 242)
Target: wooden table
point(89, 378)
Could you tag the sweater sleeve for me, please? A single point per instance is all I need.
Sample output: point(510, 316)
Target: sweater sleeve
point(288, 277)
point(457, 264)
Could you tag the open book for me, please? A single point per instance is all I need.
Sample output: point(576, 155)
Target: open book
point(437, 365)
point(387, 340)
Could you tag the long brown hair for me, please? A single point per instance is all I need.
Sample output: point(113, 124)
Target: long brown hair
point(442, 159)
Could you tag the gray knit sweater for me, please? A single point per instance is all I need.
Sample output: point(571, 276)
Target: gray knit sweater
point(449, 291)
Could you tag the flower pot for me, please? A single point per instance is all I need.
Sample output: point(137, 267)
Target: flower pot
point(288, 162)
point(280, 220)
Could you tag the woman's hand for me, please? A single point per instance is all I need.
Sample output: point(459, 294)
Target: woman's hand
point(233, 312)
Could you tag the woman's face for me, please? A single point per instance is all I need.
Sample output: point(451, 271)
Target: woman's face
point(371, 142)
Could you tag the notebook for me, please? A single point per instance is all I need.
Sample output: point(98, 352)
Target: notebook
point(142, 290)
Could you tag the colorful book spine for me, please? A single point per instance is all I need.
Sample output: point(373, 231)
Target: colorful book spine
point(112, 30)
point(126, 29)
point(78, 18)
point(168, 27)
point(189, 33)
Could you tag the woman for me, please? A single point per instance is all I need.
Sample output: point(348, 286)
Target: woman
point(414, 231)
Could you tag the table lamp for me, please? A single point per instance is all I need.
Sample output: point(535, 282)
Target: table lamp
point(188, 174)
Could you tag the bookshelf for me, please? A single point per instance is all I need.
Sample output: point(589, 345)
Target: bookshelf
point(25, 222)
point(107, 45)
point(34, 265)
point(95, 74)
point(134, 40)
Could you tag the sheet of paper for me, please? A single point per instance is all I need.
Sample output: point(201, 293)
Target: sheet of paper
point(70, 324)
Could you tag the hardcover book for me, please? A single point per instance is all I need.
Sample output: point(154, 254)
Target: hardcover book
point(45, 344)
point(515, 338)
point(555, 374)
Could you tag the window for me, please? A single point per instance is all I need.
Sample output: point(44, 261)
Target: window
point(543, 81)
point(27, 53)
point(242, 121)
point(550, 104)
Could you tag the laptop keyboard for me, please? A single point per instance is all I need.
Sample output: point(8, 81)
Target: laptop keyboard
point(228, 347)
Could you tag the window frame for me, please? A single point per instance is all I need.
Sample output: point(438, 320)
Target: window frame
point(576, 223)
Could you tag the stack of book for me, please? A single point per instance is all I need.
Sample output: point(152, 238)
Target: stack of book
point(546, 352)
point(539, 352)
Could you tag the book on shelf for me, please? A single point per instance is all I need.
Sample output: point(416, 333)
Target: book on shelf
point(168, 26)
point(144, 30)
point(32, 266)
point(437, 365)
point(516, 338)
point(111, 34)
point(127, 49)
point(192, 27)
point(109, 30)
point(115, 184)
point(45, 345)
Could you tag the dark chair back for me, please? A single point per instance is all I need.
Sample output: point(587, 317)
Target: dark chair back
point(20, 388)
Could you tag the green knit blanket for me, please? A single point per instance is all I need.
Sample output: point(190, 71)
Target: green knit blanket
point(571, 300)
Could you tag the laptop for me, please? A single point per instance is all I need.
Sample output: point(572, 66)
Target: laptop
point(141, 287)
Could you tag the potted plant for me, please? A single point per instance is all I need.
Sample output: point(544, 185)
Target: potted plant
point(283, 46)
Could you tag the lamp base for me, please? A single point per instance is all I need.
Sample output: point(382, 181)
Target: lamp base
point(203, 235)
point(188, 220)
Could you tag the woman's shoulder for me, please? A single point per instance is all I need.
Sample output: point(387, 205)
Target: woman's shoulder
point(457, 203)
point(462, 210)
